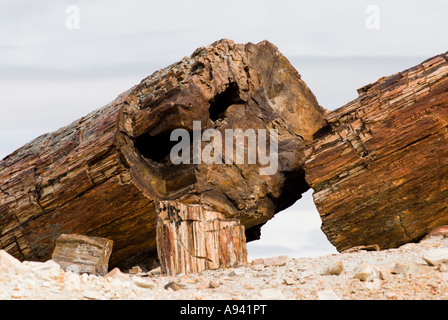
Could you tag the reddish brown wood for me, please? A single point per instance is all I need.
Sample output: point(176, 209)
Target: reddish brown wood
point(380, 174)
point(82, 254)
point(191, 238)
point(101, 175)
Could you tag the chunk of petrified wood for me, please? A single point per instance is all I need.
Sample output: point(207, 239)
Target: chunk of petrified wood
point(102, 174)
point(82, 254)
point(191, 238)
point(380, 173)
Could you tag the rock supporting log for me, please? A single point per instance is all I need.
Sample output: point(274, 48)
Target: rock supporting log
point(82, 254)
point(380, 171)
point(191, 239)
point(101, 175)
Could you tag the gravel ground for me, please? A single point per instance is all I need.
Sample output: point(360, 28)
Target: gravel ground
point(395, 274)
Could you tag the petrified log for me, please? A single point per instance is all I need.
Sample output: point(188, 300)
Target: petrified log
point(101, 175)
point(380, 168)
point(191, 239)
point(82, 254)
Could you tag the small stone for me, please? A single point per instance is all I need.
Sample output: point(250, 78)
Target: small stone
point(407, 268)
point(248, 286)
point(271, 294)
point(436, 256)
point(155, 271)
point(239, 271)
point(257, 267)
point(174, 286)
point(365, 276)
point(213, 284)
point(201, 286)
point(384, 273)
point(143, 284)
point(135, 270)
point(366, 272)
point(277, 261)
point(443, 267)
point(236, 272)
point(372, 247)
point(116, 273)
point(336, 269)
point(268, 272)
point(257, 261)
point(327, 294)
point(391, 295)
point(92, 295)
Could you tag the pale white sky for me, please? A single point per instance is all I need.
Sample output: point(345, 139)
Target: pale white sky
point(50, 76)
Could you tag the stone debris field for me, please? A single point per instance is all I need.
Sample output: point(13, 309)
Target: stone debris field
point(413, 271)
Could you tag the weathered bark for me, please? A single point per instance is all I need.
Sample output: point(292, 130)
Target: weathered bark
point(380, 169)
point(82, 254)
point(191, 239)
point(101, 175)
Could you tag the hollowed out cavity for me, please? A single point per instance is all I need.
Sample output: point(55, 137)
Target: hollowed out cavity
point(223, 100)
point(157, 147)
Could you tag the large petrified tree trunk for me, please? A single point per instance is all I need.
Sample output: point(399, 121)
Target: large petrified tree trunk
point(101, 175)
point(380, 171)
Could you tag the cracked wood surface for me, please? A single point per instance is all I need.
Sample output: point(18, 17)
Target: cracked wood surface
point(380, 172)
point(101, 175)
point(191, 238)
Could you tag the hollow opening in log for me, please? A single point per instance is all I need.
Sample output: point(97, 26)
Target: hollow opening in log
point(156, 148)
point(222, 101)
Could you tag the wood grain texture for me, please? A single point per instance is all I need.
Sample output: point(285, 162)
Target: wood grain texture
point(101, 175)
point(191, 239)
point(380, 173)
point(82, 254)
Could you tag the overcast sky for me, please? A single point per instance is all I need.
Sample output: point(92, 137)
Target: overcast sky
point(51, 75)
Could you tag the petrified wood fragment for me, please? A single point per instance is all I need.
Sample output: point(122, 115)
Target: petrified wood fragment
point(191, 239)
point(380, 171)
point(101, 175)
point(82, 254)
